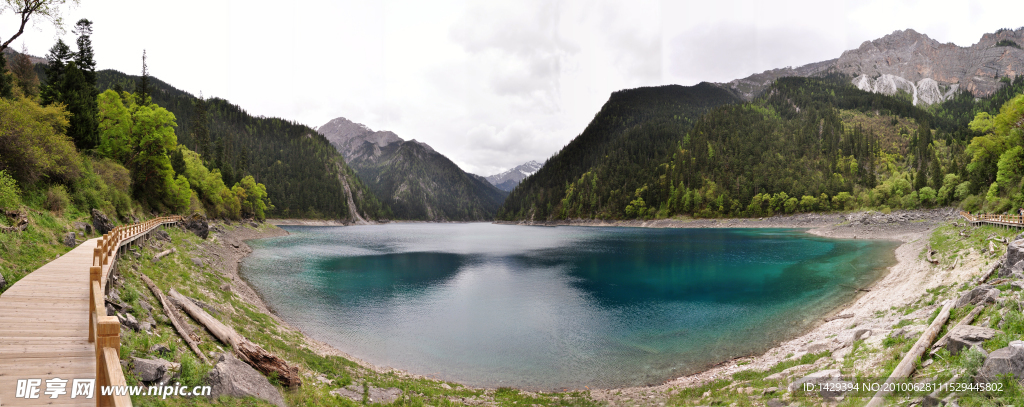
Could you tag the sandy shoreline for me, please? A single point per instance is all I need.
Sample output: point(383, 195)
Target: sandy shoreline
point(903, 283)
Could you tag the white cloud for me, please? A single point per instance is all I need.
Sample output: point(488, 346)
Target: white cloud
point(490, 84)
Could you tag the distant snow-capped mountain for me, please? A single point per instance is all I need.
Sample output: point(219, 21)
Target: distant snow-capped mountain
point(508, 180)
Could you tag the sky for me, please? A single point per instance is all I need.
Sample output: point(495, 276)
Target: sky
point(490, 84)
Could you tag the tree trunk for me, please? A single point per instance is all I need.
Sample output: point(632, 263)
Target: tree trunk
point(248, 352)
point(906, 366)
point(172, 314)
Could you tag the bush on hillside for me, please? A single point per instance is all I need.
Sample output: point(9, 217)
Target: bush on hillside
point(57, 199)
point(33, 143)
point(10, 195)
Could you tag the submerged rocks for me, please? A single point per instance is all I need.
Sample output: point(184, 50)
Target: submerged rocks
point(101, 222)
point(233, 377)
point(1002, 361)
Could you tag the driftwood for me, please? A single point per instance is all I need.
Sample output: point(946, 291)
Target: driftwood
point(929, 253)
point(965, 321)
point(248, 352)
point(841, 316)
point(955, 262)
point(172, 314)
point(20, 222)
point(906, 366)
point(988, 274)
point(164, 253)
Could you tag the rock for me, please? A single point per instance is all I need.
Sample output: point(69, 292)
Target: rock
point(3, 283)
point(980, 294)
point(197, 261)
point(159, 348)
point(1014, 258)
point(233, 377)
point(226, 287)
point(145, 327)
point(69, 239)
point(908, 332)
point(1017, 285)
point(793, 371)
point(446, 386)
point(770, 390)
point(145, 305)
point(101, 222)
point(816, 378)
point(198, 225)
point(129, 321)
point(150, 370)
point(323, 379)
point(817, 347)
point(776, 403)
point(1002, 361)
point(966, 336)
point(351, 392)
point(384, 396)
point(161, 235)
point(848, 337)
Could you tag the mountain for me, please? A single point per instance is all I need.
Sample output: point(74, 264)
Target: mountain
point(413, 179)
point(619, 150)
point(508, 180)
point(912, 64)
point(304, 175)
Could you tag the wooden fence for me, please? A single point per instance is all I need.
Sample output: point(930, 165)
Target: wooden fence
point(105, 330)
point(999, 220)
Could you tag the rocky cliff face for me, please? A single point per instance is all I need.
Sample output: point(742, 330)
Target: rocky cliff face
point(414, 180)
point(508, 180)
point(908, 61)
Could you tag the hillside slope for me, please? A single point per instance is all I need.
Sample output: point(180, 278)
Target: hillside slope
point(415, 181)
point(624, 143)
point(304, 175)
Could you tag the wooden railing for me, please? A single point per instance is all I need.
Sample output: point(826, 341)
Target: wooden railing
point(1005, 220)
point(105, 330)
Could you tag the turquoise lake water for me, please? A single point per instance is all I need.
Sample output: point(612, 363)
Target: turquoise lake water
point(550, 308)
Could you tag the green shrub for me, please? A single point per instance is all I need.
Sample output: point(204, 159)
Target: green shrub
point(10, 195)
point(971, 203)
point(57, 199)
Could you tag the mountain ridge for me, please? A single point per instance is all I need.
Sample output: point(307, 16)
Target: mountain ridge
point(507, 180)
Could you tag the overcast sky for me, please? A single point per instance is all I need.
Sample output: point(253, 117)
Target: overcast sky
point(490, 84)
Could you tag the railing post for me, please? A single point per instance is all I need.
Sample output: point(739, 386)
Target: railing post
point(96, 297)
point(108, 335)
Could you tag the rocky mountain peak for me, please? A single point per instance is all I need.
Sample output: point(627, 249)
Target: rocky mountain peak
point(348, 136)
point(508, 180)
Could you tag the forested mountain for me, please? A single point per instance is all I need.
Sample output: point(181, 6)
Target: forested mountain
point(415, 181)
point(303, 173)
point(804, 144)
point(622, 147)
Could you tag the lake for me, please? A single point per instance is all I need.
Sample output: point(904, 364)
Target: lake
point(556, 307)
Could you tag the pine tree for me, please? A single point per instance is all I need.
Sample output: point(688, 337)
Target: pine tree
point(56, 61)
point(67, 83)
point(25, 73)
point(6, 83)
point(86, 57)
point(200, 133)
point(142, 87)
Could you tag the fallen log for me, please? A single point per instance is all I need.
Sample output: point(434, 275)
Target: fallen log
point(965, 321)
point(929, 254)
point(172, 314)
point(164, 253)
point(906, 366)
point(248, 352)
point(955, 262)
point(988, 274)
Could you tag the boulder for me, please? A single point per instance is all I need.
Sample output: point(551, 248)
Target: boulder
point(1002, 361)
point(966, 336)
point(823, 376)
point(908, 332)
point(980, 294)
point(162, 235)
point(351, 392)
point(1014, 257)
point(3, 283)
point(69, 239)
point(159, 348)
point(101, 222)
point(197, 224)
point(197, 261)
point(150, 370)
point(383, 396)
point(232, 377)
point(87, 228)
point(848, 337)
point(129, 321)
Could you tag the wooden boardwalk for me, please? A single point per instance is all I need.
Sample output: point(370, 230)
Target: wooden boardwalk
point(47, 326)
point(44, 329)
point(1013, 221)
